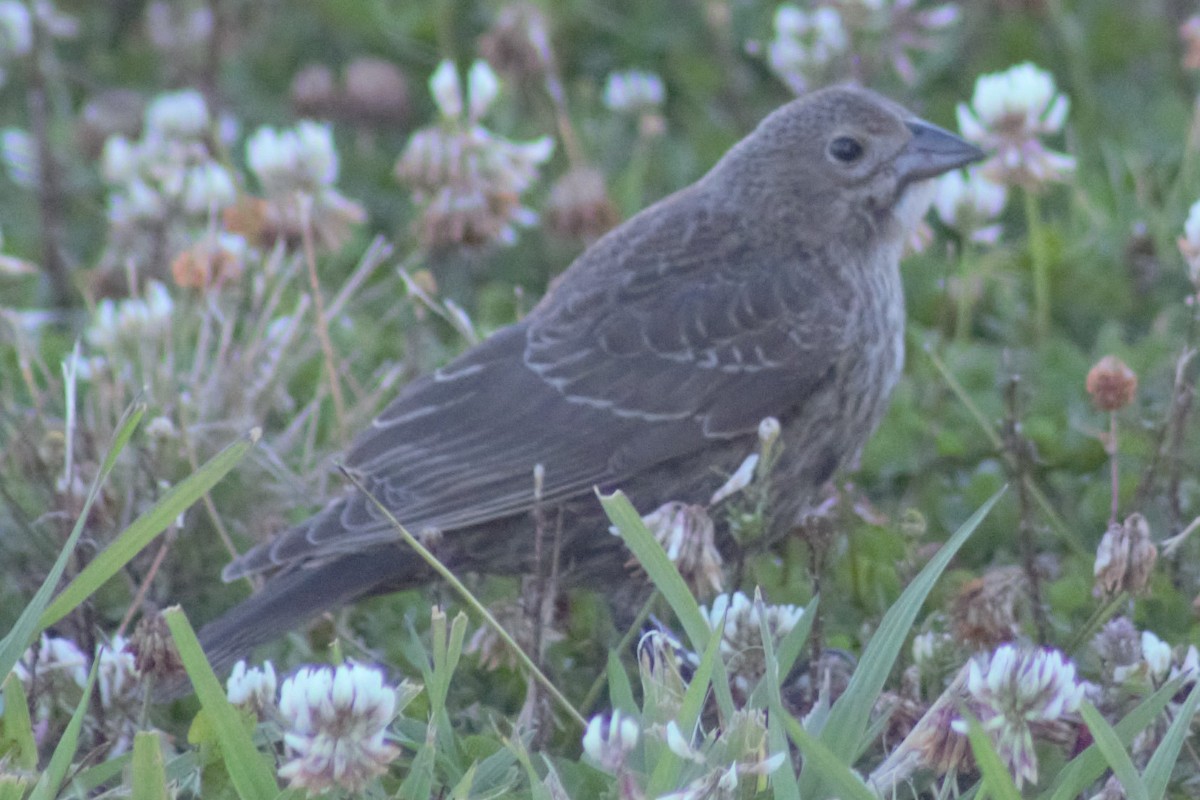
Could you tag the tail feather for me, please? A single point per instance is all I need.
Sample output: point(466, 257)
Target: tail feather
point(291, 599)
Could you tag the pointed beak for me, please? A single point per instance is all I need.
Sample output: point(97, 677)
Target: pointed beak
point(932, 151)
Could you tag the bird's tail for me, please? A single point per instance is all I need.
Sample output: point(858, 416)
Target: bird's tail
point(289, 600)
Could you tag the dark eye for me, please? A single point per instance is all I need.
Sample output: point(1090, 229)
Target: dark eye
point(846, 149)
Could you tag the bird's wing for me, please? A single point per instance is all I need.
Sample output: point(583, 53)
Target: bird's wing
point(683, 332)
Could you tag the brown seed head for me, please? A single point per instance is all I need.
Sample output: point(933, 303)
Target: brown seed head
point(153, 649)
point(376, 92)
point(984, 613)
point(1111, 384)
point(1125, 558)
point(313, 93)
point(579, 206)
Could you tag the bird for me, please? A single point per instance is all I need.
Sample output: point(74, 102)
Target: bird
point(770, 287)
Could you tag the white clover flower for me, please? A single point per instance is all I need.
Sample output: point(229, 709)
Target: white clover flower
point(300, 159)
point(335, 723)
point(177, 115)
point(609, 739)
point(16, 30)
point(1014, 688)
point(251, 687)
point(446, 89)
point(119, 160)
point(117, 676)
point(805, 42)
point(688, 535)
point(678, 744)
point(633, 92)
point(467, 180)
point(741, 638)
point(132, 319)
point(208, 187)
point(968, 202)
point(483, 87)
point(1009, 112)
point(316, 154)
point(1157, 655)
point(56, 660)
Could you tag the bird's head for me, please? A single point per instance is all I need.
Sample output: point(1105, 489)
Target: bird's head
point(843, 158)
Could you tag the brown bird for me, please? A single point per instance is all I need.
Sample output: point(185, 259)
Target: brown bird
point(770, 287)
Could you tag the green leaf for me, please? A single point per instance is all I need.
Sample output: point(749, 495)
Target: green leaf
point(250, 773)
point(146, 527)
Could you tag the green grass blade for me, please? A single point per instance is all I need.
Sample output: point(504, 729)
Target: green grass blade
point(784, 781)
point(28, 624)
point(789, 651)
point(149, 775)
point(51, 780)
point(147, 526)
point(1162, 762)
point(18, 746)
point(620, 691)
point(1086, 767)
point(821, 762)
point(250, 773)
point(997, 782)
point(1114, 752)
point(669, 582)
point(849, 715)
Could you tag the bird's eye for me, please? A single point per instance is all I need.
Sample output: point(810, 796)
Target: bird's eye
point(846, 149)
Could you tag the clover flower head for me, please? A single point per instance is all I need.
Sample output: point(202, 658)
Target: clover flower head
point(178, 115)
point(57, 661)
point(688, 535)
point(633, 92)
point(300, 159)
point(335, 725)
point(741, 638)
point(117, 676)
point(466, 179)
point(1013, 688)
point(969, 203)
point(252, 687)
point(610, 738)
point(16, 30)
point(1009, 113)
point(133, 319)
point(805, 42)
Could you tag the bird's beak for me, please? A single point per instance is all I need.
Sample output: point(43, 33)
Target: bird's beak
point(932, 151)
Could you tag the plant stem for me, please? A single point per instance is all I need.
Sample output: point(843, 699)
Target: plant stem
point(1041, 264)
point(1112, 457)
point(962, 319)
